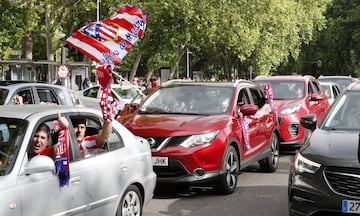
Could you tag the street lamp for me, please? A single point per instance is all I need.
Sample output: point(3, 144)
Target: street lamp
point(187, 63)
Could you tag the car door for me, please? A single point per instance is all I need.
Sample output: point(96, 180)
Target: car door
point(104, 172)
point(41, 193)
point(262, 116)
point(252, 122)
point(320, 106)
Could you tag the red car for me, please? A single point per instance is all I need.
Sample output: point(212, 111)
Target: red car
point(294, 97)
point(203, 134)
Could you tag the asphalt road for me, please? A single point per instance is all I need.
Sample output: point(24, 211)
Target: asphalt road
point(257, 194)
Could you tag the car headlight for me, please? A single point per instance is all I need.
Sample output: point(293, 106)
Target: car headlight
point(291, 110)
point(200, 139)
point(304, 165)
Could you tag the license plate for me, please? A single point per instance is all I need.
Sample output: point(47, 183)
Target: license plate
point(351, 206)
point(160, 161)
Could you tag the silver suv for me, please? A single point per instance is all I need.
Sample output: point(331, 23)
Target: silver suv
point(30, 92)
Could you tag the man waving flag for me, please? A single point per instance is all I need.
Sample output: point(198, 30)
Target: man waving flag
point(108, 41)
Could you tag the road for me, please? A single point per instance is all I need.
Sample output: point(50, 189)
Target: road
point(257, 194)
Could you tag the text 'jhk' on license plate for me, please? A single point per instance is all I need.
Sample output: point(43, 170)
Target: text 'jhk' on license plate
point(160, 161)
point(351, 206)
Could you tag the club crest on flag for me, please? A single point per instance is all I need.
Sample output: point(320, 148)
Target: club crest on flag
point(108, 41)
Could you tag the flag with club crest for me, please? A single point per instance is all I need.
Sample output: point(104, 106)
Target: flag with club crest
point(108, 41)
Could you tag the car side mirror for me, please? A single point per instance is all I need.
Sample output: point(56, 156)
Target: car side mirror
point(308, 121)
point(248, 109)
point(315, 97)
point(133, 107)
point(39, 163)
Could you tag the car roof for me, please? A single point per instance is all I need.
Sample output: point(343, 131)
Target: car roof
point(19, 84)
point(204, 83)
point(284, 77)
point(328, 83)
point(25, 111)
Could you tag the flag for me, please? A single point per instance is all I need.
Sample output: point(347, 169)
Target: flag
point(62, 168)
point(108, 41)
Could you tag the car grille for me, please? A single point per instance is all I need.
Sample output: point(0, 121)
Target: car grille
point(344, 180)
point(174, 169)
point(163, 142)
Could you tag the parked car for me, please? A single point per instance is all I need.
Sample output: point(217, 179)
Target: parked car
point(31, 92)
point(331, 89)
point(124, 93)
point(203, 134)
point(295, 96)
point(342, 81)
point(325, 173)
point(115, 180)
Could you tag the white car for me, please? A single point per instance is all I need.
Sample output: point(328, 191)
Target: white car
point(115, 180)
point(124, 93)
point(331, 89)
point(32, 92)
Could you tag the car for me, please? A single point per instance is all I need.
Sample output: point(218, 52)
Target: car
point(123, 93)
point(331, 89)
point(115, 180)
point(31, 92)
point(135, 102)
point(291, 106)
point(342, 81)
point(202, 134)
point(324, 174)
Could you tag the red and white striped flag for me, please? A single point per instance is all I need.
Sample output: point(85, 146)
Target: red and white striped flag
point(108, 41)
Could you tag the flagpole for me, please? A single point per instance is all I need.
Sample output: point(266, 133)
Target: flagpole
point(97, 10)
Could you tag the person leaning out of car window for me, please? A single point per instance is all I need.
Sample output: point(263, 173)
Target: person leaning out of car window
point(40, 141)
point(86, 143)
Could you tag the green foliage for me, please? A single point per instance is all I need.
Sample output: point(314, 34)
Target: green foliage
point(224, 36)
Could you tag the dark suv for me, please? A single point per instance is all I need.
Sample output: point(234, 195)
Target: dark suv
point(295, 96)
point(203, 134)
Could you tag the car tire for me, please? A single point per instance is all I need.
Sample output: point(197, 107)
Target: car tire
point(131, 202)
point(230, 169)
point(271, 163)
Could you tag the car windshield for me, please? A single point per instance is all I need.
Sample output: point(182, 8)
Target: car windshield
point(285, 89)
point(11, 136)
point(345, 115)
point(189, 99)
point(3, 94)
point(342, 82)
point(126, 93)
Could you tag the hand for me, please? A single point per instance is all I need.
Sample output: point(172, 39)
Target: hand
point(63, 121)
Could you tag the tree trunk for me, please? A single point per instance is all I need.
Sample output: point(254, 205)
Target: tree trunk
point(135, 66)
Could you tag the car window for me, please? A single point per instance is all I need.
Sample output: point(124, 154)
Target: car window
point(26, 95)
point(47, 96)
point(316, 88)
point(93, 126)
point(91, 92)
point(258, 97)
point(243, 97)
point(12, 131)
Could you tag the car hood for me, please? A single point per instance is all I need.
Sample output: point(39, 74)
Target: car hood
point(173, 125)
point(333, 148)
point(281, 104)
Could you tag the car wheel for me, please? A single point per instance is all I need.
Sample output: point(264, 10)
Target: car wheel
point(271, 163)
point(131, 203)
point(230, 168)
